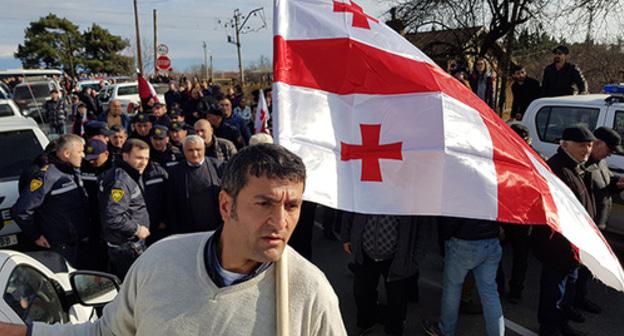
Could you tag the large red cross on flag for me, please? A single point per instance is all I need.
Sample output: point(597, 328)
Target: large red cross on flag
point(335, 79)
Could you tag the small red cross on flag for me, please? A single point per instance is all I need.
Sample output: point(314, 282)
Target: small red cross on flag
point(370, 152)
point(360, 19)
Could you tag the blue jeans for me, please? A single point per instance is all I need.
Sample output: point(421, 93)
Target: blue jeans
point(482, 257)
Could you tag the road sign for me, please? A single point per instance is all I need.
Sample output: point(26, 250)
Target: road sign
point(163, 62)
point(162, 49)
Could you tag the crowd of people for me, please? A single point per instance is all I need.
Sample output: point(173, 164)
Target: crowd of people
point(102, 195)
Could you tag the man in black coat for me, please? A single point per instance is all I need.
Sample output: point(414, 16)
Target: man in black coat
point(524, 89)
point(560, 77)
point(558, 256)
point(216, 116)
point(193, 190)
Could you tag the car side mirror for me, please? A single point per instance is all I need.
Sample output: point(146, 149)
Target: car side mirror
point(94, 289)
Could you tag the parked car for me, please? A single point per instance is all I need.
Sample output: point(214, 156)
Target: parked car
point(9, 109)
point(30, 96)
point(92, 83)
point(21, 140)
point(128, 95)
point(42, 287)
point(546, 118)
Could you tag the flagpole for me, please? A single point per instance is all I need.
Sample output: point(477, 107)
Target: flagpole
point(281, 294)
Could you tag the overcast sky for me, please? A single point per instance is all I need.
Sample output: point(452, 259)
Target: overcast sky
point(182, 25)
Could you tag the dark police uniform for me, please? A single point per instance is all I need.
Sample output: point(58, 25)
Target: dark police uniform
point(122, 210)
point(155, 181)
point(57, 195)
point(170, 157)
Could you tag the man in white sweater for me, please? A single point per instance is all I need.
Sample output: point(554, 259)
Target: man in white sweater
point(223, 283)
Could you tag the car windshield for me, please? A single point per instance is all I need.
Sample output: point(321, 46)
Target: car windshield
point(18, 149)
point(6, 110)
point(39, 90)
point(127, 90)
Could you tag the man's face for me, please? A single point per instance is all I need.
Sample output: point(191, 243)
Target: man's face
point(82, 110)
point(178, 136)
point(600, 150)
point(100, 160)
point(118, 139)
point(137, 158)
point(559, 57)
point(480, 66)
point(172, 86)
point(204, 131)
point(159, 144)
point(73, 155)
point(55, 96)
point(143, 128)
point(194, 152)
point(115, 108)
point(158, 111)
point(578, 150)
point(263, 217)
point(519, 76)
point(226, 105)
point(214, 120)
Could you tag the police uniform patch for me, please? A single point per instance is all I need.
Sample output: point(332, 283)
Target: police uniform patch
point(90, 149)
point(44, 168)
point(157, 131)
point(35, 184)
point(117, 195)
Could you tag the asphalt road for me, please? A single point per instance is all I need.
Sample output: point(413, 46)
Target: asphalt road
point(521, 319)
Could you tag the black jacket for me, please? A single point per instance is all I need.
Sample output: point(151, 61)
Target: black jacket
point(220, 149)
point(155, 179)
point(559, 82)
point(523, 95)
point(122, 204)
point(552, 248)
point(57, 195)
point(603, 184)
point(171, 156)
point(467, 228)
point(90, 176)
point(55, 112)
point(231, 133)
point(193, 197)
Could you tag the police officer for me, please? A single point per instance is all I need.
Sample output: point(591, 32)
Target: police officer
point(97, 160)
point(162, 151)
point(124, 215)
point(97, 130)
point(155, 179)
point(193, 190)
point(177, 133)
point(142, 124)
point(159, 115)
point(57, 196)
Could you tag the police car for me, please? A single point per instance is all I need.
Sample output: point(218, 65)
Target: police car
point(21, 141)
point(42, 287)
point(546, 118)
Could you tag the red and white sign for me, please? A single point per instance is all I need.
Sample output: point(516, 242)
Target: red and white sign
point(384, 130)
point(163, 62)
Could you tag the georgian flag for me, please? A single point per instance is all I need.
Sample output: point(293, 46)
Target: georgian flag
point(383, 130)
point(146, 90)
point(261, 122)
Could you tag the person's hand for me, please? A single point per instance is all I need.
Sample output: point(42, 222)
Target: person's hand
point(347, 247)
point(7, 329)
point(620, 183)
point(42, 242)
point(143, 232)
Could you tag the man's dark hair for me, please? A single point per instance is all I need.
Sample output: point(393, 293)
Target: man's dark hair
point(134, 143)
point(517, 67)
point(268, 160)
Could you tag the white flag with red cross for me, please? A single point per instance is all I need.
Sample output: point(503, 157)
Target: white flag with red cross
point(146, 90)
point(383, 130)
point(261, 122)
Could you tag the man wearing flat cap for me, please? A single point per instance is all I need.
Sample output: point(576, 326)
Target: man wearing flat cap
point(560, 76)
point(558, 256)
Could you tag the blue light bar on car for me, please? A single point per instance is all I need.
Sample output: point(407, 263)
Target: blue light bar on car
point(614, 89)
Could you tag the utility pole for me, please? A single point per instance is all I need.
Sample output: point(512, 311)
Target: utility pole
point(206, 61)
point(138, 37)
point(238, 28)
point(210, 66)
point(155, 42)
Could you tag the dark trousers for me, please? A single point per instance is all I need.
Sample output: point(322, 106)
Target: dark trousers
point(557, 290)
point(365, 283)
point(520, 247)
point(584, 276)
point(121, 257)
point(59, 128)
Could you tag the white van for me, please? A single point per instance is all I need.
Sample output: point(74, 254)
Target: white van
point(546, 118)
